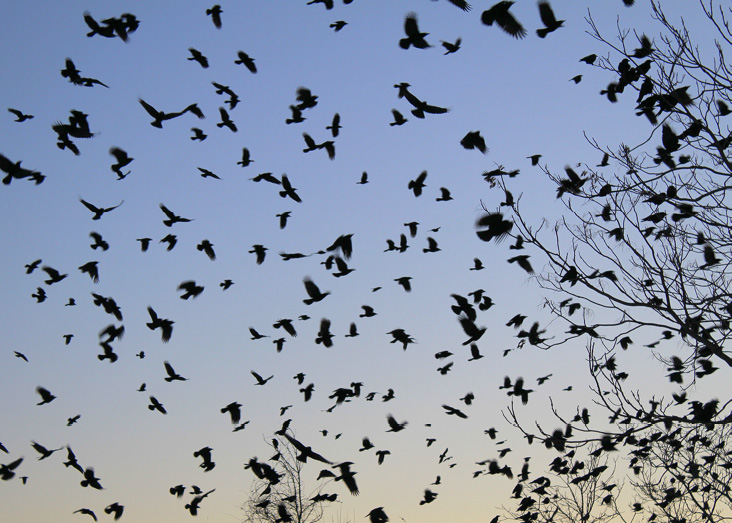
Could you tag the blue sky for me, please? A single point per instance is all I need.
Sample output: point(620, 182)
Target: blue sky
point(516, 92)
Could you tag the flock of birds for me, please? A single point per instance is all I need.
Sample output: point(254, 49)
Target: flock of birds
point(337, 259)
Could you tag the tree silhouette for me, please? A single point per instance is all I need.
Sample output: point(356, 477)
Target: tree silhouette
point(271, 502)
point(639, 261)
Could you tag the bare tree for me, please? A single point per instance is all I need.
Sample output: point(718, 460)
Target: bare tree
point(643, 252)
point(280, 492)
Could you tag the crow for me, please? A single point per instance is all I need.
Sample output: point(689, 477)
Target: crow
point(172, 218)
point(338, 25)
point(159, 117)
point(505, 20)
point(414, 36)
point(207, 248)
point(46, 396)
point(215, 14)
point(156, 405)
point(398, 118)
point(14, 170)
point(497, 227)
point(260, 380)
point(172, 375)
point(473, 140)
point(246, 158)
point(165, 325)
point(99, 243)
point(451, 47)
point(226, 121)
point(288, 189)
point(197, 56)
point(99, 211)
point(548, 19)
point(417, 184)
point(335, 125)
point(19, 115)
point(313, 291)
point(394, 425)
point(246, 60)
point(420, 107)
point(91, 269)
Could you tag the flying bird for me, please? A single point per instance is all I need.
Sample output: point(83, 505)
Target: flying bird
point(197, 56)
point(548, 19)
point(215, 14)
point(313, 291)
point(246, 60)
point(414, 36)
point(505, 20)
point(99, 211)
point(20, 116)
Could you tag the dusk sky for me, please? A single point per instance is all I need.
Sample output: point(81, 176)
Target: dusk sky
point(516, 92)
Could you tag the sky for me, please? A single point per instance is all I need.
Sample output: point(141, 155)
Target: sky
point(516, 92)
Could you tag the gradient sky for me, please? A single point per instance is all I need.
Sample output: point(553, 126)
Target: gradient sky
point(517, 93)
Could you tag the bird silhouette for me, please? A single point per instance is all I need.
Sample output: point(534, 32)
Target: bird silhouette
point(215, 14)
point(417, 184)
point(313, 291)
point(499, 14)
point(473, 140)
point(165, 325)
point(548, 19)
point(20, 116)
point(156, 405)
point(260, 380)
point(451, 47)
point(246, 60)
point(116, 509)
point(398, 118)
point(99, 211)
point(414, 36)
point(46, 396)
